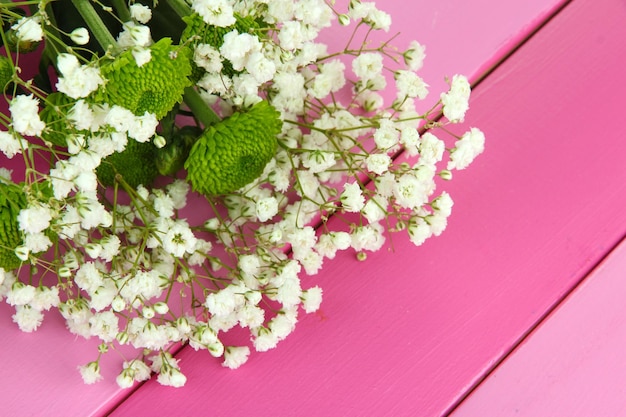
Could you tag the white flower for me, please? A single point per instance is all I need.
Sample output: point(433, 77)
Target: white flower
point(419, 231)
point(80, 36)
point(140, 13)
point(378, 163)
point(467, 148)
point(35, 218)
point(410, 139)
point(352, 198)
point(28, 319)
point(104, 325)
point(215, 12)
point(37, 242)
point(375, 209)
point(143, 127)
point(266, 208)
point(78, 81)
point(368, 66)
point(207, 57)
point(134, 34)
point(179, 239)
point(235, 356)
point(456, 100)
point(25, 115)
point(431, 149)
point(90, 372)
point(410, 192)
point(10, 144)
point(414, 56)
point(264, 339)
point(311, 299)
point(20, 294)
point(368, 237)
point(387, 135)
point(409, 84)
point(29, 29)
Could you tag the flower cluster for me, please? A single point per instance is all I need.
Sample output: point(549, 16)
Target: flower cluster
point(174, 182)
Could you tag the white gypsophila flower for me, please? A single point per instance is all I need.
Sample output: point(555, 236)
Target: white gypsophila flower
point(179, 239)
point(370, 100)
point(5, 175)
point(238, 47)
point(140, 13)
point(266, 208)
point(80, 36)
point(443, 204)
point(284, 323)
point(456, 101)
point(143, 127)
point(45, 298)
point(292, 35)
point(312, 299)
point(37, 242)
point(471, 144)
point(88, 277)
point(410, 192)
point(235, 356)
point(104, 325)
point(81, 116)
point(375, 209)
point(419, 231)
point(11, 145)
point(410, 140)
point(437, 223)
point(288, 294)
point(110, 248)
point(163, 203)
point(27, 318)
point(409, 84)
point(29, 29)
point(25, 115)
point(414, 56)
point(142, 55)
point(215, 12)
point(311, 262)
point(431, 149)
point(250, 316)
point(352, 199)
point(90, 372)
point(261, 68)
point(134, 34)
point(20, 294)
point(35, 218)
point(264, 339)
point(78, 81)
point(367, 66)
point(387, 135)
point(178, 191)
point(207, 57)
point(368, 237)
point(378, 163)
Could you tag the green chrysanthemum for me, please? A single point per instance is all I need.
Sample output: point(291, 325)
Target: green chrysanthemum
point(54, 115)
point(12, 200)
point(136, 165)
point(214, 36)
point(6, 72)
point(156, 86)
point(234, 152)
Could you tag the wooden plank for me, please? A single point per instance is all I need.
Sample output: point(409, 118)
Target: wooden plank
point(410, 333)
point(40, 374)
point(573, 364)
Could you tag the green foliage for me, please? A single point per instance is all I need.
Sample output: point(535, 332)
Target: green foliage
point(234, 152)
point(12, 200)
point(171, 158)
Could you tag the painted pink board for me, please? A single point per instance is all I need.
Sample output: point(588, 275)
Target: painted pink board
point(41, 378)
point(574, 364)
point(411, 333)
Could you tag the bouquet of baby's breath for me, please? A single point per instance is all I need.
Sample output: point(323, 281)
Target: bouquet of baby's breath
point(177, 165)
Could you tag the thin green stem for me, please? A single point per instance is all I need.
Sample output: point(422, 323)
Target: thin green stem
point(96, 25)
point(181, 7)
point(122, 10)
point(199, 108)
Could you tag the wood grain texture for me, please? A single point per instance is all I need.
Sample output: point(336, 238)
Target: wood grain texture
point(410, 333)
point(574, 364)
point(344, 343)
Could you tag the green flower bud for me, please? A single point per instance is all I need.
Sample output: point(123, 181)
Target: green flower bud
point(171, 158)
point(235, 151)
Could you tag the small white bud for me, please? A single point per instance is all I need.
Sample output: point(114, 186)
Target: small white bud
point(80, 36)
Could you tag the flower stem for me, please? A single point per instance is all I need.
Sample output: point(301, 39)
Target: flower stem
point(199, 108)
point(122, 10)
point(181, 7)
point(95, 23)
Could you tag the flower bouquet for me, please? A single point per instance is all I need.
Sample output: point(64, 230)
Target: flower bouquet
point(174, 166)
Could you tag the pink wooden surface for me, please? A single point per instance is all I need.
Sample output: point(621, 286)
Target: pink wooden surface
point(353, 351)
point(574, 364)
point(411, 333)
